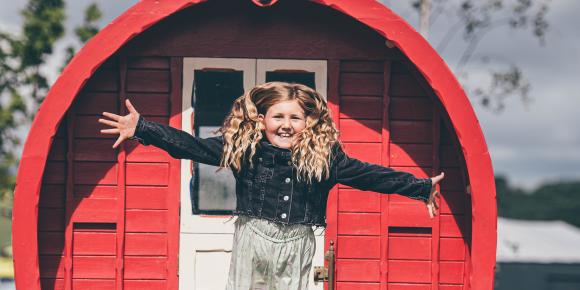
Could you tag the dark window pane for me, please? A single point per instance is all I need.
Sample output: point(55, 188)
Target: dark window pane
point(300, 77)
point(214, 92)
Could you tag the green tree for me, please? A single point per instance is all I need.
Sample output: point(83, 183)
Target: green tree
point(473, 21)
point(550, 201)
point(23, 84)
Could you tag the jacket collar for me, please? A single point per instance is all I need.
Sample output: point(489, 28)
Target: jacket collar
point(272, 154)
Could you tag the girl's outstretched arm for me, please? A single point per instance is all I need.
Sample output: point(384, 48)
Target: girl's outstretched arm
point(367, 176)
point(179, 144)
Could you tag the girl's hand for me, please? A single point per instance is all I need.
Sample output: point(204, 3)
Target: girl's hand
point(432, 204)
point(123, 125)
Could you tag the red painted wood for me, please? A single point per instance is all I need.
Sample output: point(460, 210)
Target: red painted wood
point(450, 287)
point(452, 249)
point(104, 80)
point(147, 174)
point(146, 197)
point(173, 196)
point(52, 195)
point(151, 104)
point(386, 161)
point(93, 284)
point(101, 173)
point(435, 221)
point(57, 150)
point(453, 180)
point(361, 66)
point(98, 267)
point(401, 286)
point(406, 108)
point(453, 202)
point(145, 267)
point(145, 284)
point(354, 200)
point(94, 150)
point(449, 156)
point(51, 284)
point(367, 152)
point(343, 37)
point(408, 215)
point(357, 270)
point(357, 286)
point(359, 224)
point(51, 219)
point(51, 266)
point(411, 132)
point(405, 86)
point(51, 243)
point(331, 232)
point(92, 191)
point(55, 173)
point(152, 81)
point(94, 210)
point(410, 248)
point(161, 63)
point(361, 247)
point(139, 153)
point(361, 107)
point(146, 221)
point(409, 271)
point(361, 84)
point(451, 272)
point(411, 154)
point(419, 172)
point(354, 130)
point(147, 244)
point(452, 225)
point(94, 243)
point(95, 103)
point(121, 188)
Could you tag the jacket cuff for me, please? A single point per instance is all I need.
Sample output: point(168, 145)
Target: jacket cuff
point(424, 190)
point(139, 130)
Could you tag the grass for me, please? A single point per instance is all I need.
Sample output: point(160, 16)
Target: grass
point(6, 268)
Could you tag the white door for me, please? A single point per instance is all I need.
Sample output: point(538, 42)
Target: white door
point(207, 198)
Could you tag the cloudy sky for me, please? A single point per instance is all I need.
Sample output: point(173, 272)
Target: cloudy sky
point(530, 144)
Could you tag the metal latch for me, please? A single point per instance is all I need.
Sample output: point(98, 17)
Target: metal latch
point(323, 274)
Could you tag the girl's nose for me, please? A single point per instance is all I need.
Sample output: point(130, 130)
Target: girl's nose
point(286, 123)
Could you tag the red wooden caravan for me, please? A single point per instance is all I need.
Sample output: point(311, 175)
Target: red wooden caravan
point(87, 216)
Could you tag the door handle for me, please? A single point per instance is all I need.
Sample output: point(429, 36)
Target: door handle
point(323, 274)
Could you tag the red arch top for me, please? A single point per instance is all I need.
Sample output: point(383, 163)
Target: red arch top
point(148, 12)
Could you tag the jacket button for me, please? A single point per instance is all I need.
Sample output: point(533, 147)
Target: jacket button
point(260, 159)
point(283, 215)
point(286, 198)
point(289, 162)
point(287, 180)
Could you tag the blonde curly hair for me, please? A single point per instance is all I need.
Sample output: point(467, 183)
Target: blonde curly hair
point(242, 129)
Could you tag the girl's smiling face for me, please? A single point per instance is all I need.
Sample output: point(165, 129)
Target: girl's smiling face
point(282, 122)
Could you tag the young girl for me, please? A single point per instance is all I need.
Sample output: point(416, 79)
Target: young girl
point(282, 146)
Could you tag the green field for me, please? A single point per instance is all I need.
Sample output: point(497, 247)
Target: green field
point(5, 232)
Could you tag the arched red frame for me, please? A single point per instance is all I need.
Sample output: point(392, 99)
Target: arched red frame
point(145, 14)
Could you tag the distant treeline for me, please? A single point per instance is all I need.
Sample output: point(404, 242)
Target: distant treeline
point(550, 201)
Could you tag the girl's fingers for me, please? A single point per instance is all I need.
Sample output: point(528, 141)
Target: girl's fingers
point(112, 116)
point(130, 107)
point(110, 131)
point(119, 140)
point(109, 122)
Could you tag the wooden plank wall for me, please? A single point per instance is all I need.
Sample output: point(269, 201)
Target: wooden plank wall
point(388, 241)
point(103, 218)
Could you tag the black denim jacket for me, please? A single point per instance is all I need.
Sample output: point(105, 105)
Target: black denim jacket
point(270, 189)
